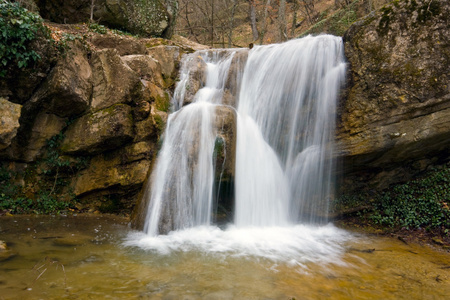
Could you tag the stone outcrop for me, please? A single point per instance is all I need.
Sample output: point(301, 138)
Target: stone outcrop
point(395, 121)
point(93, 121)
point(147, 18)
point(67, 90)
point(9, 122)
point(100, 131)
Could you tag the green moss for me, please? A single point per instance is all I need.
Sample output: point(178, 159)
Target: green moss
point(160, 124)
point(386, 18)
point(163, 103)
point(428, 11)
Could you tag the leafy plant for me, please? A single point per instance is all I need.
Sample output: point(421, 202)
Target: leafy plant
point(18, 29)
point(421, 203)
point(14, 198)
point(98, 28)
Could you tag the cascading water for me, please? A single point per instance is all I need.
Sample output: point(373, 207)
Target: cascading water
point(282, 105)
point(182, 183)
point(285, 131)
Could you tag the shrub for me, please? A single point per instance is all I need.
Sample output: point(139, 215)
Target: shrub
point(421, 203)
point(18, 29)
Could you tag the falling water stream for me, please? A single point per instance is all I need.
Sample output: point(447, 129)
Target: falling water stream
point(271, 111)
point(285, 111)
point(284, 108)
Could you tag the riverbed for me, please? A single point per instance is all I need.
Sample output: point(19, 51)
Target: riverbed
point(100, 257)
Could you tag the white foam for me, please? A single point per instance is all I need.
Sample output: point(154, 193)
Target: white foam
point(292, 245)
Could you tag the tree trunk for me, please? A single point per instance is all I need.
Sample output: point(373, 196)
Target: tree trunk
point(231, 24)
point(294, 17)
point(212, 23)
point(253, 19)
point(91, 19)
point(282, 21)
point(264, 24)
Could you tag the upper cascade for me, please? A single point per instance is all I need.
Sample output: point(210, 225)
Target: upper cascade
point(283, 102)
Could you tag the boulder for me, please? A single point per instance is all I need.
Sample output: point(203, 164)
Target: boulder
point(9, 122)
point(125, 45)
point(114, 82)
point(148, 18)
point(234, 78)
point(45, 126)
point(397, 111)
point(168, 57)
point(123, 169)
point(100, 131)
point(148, 69)
point(68, 88)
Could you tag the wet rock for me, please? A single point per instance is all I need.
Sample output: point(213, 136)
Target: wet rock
point(3, 246)
point(5, 252)
point(196, 77)
point(168, 57)
point(101, 131)
point(234, 78)
point(9, 121)
point(71, 241)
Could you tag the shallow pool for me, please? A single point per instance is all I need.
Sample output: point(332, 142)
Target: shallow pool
point(99, 257)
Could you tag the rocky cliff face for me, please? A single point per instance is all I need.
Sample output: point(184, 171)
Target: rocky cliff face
point(147, 18)
point(395, 121)
point(90, 127)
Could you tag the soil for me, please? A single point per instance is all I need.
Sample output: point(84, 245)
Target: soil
point(433, 238)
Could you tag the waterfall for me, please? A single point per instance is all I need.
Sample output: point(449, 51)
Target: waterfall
point(283, 102)
point(286, 129)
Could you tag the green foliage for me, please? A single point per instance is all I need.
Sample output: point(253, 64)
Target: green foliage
point(13, 199)
point(18, 29)
point(422, 203)
point(45, 201)
point(63, 44)
point(97, 28)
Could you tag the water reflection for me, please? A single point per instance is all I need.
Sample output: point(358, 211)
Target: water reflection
point(97, 266)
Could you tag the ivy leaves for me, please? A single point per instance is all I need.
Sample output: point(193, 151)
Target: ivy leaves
point(18, 28)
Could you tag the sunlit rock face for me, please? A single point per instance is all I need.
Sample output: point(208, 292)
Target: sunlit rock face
point(101, 108)
point(395, 120)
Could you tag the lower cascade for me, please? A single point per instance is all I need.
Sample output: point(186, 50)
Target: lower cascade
point(252, 130)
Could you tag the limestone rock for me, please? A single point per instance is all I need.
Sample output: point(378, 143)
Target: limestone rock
point(123, 168)
point(99, 131)
point(234, 78)
point(148, 69)
point(196, 78)
point(168, 57)
point(9, 121)
point(225, 124)
point(67, 90)
point(45, 126)
point(398, 105)
point(124, 45)
point(114, 82)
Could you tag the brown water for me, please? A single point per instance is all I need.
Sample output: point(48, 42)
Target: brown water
point(83, 258)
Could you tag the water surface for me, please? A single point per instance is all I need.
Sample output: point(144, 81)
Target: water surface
point(99, 257)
